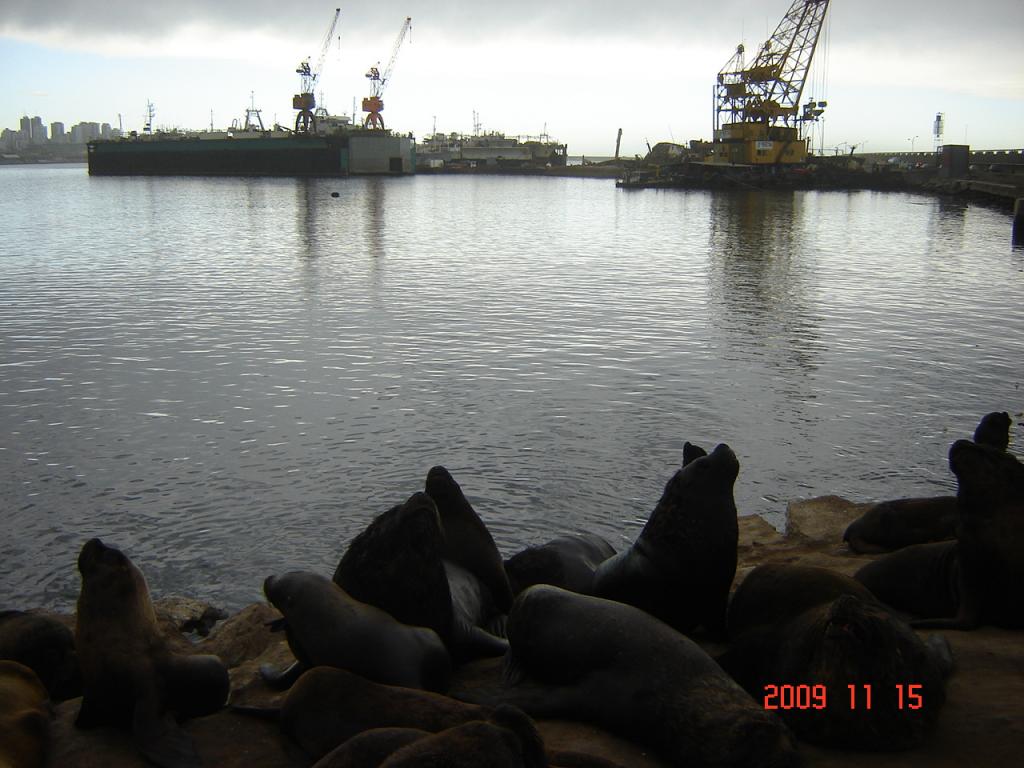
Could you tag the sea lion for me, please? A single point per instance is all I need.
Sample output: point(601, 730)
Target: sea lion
point(370, 748)
point(129, 675)
point(328, 706)
point(24, 717)
point(892, 525)
point(809, 663)
point(507, 739)
point(990, 536)
point(682, 565)
point(44, 645)
point(397, 564)
point(584, 658)
point(327, 627)
point(805, 586)
point(922, 580)
point(568, 562)
point(467, 542)
point(994, 430)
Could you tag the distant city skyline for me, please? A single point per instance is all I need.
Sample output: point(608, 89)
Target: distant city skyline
point(579, 71)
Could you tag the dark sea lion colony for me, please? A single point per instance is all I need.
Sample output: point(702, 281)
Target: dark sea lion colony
point(568, 630)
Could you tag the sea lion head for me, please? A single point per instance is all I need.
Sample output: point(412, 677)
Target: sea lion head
point(701, 490)
point(112, 579)
point(988, 479)
point(994, 430)
point(713, 472)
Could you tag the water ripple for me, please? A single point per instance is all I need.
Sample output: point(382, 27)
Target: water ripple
point(235, 384)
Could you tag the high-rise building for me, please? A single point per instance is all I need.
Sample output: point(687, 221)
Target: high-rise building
point(105, 131)
point(82, 132)
point(38, 131)
point(26, 129)
point(57, 132)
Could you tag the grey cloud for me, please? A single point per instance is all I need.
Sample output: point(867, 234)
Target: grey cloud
point(909, 21)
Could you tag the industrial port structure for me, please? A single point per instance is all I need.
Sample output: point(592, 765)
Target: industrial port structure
point(758, 118)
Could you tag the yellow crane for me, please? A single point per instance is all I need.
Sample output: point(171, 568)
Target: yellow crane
point(305, 101)
point(373, 105)
point(758, 118)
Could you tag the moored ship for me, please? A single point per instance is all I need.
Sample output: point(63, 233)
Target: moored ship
point(492, 150)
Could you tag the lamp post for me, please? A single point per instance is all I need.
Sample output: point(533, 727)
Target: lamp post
point(912, 140)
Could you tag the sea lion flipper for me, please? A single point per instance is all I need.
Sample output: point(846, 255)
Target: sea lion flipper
point(282, 680)
point(942, 652)
point(159, 737)
point(475, 643)
point(513, 672)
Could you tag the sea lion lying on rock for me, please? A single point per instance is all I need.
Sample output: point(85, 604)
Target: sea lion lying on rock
point(397, 564)
point(922, 581)
point(328, 706)
point(584, 658)
point(370, 748)
point(44, 645)
point(24, 717)
point(892, 525)
point(568, 562)
point(327, 627)
point(130, 678)
point(682, 565)
point(506, 739)
point(816, 664)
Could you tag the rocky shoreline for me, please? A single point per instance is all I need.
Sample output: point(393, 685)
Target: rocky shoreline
point(982, 723)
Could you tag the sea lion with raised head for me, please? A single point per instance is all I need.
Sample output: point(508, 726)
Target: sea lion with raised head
point(568, 562)
point(130, 677)
point(580, 657)
point(397, 564)
point(990, 538)
point(682, 565)
point(467, 542)
point(994, 430)
point(833, 643)
point(891, 525)
point(328, 627)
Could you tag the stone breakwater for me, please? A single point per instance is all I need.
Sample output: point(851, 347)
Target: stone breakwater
point(982, 723)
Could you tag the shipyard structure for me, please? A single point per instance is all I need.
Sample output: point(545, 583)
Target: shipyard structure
point(335, 150)
point(319, 145)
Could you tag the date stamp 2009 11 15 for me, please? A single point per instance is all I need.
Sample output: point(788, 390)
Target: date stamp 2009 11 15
point(816, 696)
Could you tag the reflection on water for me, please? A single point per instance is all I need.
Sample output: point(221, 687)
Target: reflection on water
point(229, 377)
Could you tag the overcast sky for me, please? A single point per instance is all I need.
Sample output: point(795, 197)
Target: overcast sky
point(582, 69)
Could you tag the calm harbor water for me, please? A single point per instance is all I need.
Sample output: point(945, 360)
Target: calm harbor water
point(229, 378)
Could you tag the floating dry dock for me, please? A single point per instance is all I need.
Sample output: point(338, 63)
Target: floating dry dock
point(351, 151)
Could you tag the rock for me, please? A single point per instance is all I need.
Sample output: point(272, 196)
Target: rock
point(188, 616)
point(821, 520)
point(245, 635)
